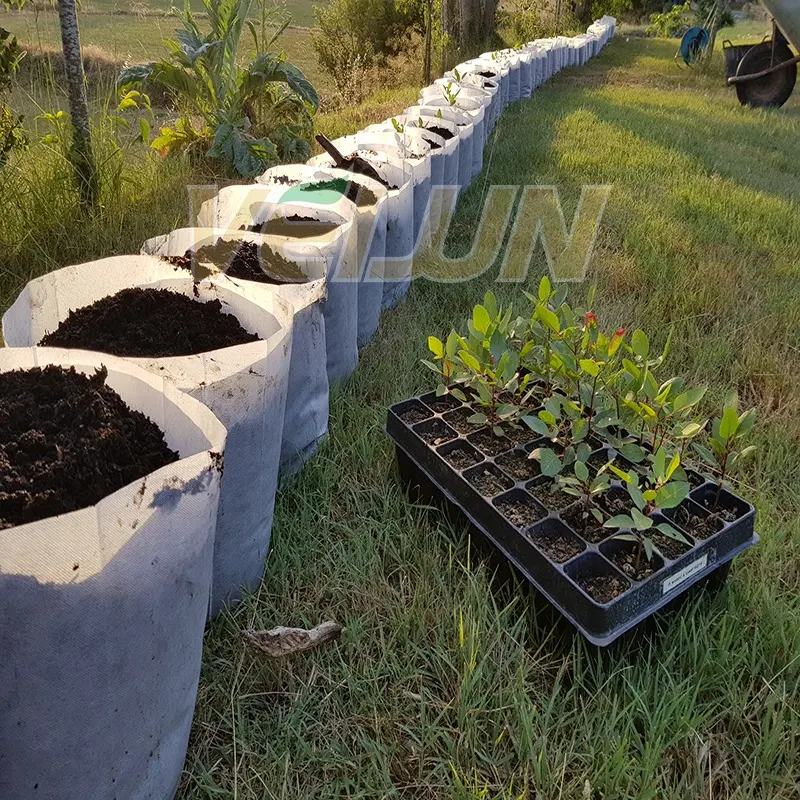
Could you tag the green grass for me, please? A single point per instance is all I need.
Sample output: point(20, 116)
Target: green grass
point(448, 682)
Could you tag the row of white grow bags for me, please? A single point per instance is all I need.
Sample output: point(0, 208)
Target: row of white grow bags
point(157, 556)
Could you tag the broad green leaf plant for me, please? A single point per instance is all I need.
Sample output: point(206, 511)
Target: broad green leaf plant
point(248, 117)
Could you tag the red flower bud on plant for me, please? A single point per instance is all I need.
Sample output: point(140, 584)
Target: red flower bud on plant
point(589, 319)
point(616, 341)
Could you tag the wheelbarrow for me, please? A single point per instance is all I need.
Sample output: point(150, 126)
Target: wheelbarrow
point(765, 74)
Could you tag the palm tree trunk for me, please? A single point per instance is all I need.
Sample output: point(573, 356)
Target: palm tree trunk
point(82, 157)
point(426, 79)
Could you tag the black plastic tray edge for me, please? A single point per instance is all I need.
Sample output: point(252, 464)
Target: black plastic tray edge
point(615, 633)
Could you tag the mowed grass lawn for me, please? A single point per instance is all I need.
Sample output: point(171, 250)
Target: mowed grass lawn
point(448, 683)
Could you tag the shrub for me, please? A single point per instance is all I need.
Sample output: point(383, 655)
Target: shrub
point(669, 23)
point(12, 136)
point(250, 116)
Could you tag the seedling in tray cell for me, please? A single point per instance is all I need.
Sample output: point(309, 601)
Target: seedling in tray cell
point(724, 452)
point(660, 492)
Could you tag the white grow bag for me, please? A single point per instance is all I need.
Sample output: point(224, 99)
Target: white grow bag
point(398, 266)
point(245, 386)
point(370, 232)
point(103, 611)
point(511, 60)
point(433, 98)
point(527, 80)
point(237, 207)
point(475, 86)
point(305, 419)
point(463, 127)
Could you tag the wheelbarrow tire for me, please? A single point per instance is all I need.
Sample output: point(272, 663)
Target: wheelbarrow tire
point(772, 90)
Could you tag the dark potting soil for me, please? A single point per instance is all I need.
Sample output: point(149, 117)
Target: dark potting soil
point(488, 482)
point(615, 502)
point(152, 323)
point(295, 227)
point(435, 432)
point(487, 74)
point(489, 442)
point(444, 403)
point(182, 262)
point(558, 546)
point(519, 512)
point(519, 466)
point(439, 131)
point(602, 588)
point(548, 493)
point(584, 523)
point(625, 559)
point(433, 145)
point(519, 434)
point(668, 547)
point(67, 440)
point(695, 479)
point(417, 413)
point(458, 420)
point(354, 192)
point(461, 457)
point(598, 459)
point(701, 526)
point(720, 511)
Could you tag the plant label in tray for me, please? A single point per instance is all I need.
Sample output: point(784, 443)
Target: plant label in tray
point(683, 575)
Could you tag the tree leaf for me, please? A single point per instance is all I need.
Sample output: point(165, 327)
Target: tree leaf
point(728, 424)
point(590, 367)
point(477, 419)
point(689, 398)
point(544, 288)
point(581, 471)
point(469, 360)
point(671, 532)
point(647, 543)
point(548, 318)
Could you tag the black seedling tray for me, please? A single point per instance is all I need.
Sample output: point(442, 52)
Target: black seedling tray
point(432, 436)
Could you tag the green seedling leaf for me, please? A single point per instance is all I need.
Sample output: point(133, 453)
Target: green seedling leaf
point(632, 452)
point(729, 424)
point(459, 395)
point(647, 542)
point(536, 425)
point(544, 288)
point(641, 522)
point(689, 398)
point(620, 521)
point(590, 367)
point(477, 419)
point(639, 499)
point(498, 432)
point(436, 347)
point(581, 471)
point(668, 530)
point(548, 318)
point(674, 463)
point(430, 365)
point(480, 319)
point(640, 343)
point(672, 494)
point(490, 303)
point(469, 360)
point(549, 462)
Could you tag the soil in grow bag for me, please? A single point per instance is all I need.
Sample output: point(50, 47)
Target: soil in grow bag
point(67, 441)
point(154, 323)
point(294, 226)
point(433, 145)
point(354, 192)
point(443, 132)
point(355, 164)
point(248, 263)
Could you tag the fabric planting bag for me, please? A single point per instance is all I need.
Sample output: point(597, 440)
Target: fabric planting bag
point(370, 230)
point(245, 386)
point(510, 59)
point(330, 229)
point(397, 176)
point(305, 419)
point(103, 611)
point(433, 98)
point(464, 129)
point(475, 86)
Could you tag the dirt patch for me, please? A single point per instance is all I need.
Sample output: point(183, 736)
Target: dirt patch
point(701, 525)
point(602, 588)
point(549, 494)
point(416, 413)
point(67, 441)
point(354, 192)
point(153, 323)
point(518, 511)
point(630, 564)
point(489, 443)
point(519, 466)
point(295, 227)
point(559, 546)
point(461, 457)
point(585, 524)
point(434, 432)
point(487, 482)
